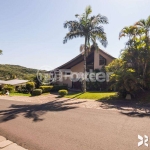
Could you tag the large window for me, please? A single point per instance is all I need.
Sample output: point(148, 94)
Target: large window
point(102, 60)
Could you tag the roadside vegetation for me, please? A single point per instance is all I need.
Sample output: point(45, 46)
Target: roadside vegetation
point(131, 72)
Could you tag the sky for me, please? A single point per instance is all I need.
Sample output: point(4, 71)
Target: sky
point(32, 32)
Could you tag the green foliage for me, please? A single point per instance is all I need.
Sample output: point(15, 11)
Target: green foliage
point(131, 72)
point(22, 89)
point(46, 89)
point(56, 88)
point(36, 92)
point(30, 86)
point(8, 72)
point(63, 92)
point(10, 88)
point(97, 86)
point(88, 27)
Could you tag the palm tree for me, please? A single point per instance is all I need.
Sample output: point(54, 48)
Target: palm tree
point(130, 32)
point(145, 26)
point(88, 27)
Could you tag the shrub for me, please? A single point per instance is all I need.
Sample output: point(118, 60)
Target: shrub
point(10, 88)
point(36, 92)
point(56, 88)
point(30, 86)
point(22, 89)
point(46, 89)
point(63, 92)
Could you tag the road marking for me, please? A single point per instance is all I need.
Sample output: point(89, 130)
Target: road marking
point(143, 140)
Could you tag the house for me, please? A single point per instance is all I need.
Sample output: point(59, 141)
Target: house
point(95, 60)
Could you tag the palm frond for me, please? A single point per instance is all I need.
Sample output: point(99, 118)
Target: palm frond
point(88, 10)
point(102, 39)
point(140, 23)
point(71, 35)
point(148, 22)
point(97, 30)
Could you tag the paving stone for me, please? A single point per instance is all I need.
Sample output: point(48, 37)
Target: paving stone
point(2, 138)
point(13, 147)
point(5, 143)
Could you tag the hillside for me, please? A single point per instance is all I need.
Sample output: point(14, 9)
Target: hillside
point(15, 71)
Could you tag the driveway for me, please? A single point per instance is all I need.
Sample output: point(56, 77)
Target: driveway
point(63, 124)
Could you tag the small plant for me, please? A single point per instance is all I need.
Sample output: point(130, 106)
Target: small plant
point(46, 89)
point(36, 92)
point(63, 92)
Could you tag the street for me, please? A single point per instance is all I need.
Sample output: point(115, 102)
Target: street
point(52, 126)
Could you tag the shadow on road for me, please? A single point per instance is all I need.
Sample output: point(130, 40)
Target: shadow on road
point(126, 107)
point(35, 111)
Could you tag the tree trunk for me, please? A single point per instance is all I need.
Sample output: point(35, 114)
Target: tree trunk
point(84, 80)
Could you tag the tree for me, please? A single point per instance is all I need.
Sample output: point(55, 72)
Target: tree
point(128, 31)
point(88, 27)
point(145, 26)
point(131, 71)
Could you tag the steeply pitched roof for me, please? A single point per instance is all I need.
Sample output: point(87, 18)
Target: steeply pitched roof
point(78, 59)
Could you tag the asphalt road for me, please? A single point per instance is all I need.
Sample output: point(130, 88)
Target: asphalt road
point(54, 127)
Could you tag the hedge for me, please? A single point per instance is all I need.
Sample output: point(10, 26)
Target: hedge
point(46, 89)
point(30, 86)
point(36, 92)
point(63, 92)
point(56, 88)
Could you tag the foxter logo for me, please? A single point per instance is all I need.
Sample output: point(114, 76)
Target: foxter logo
point(143, 140)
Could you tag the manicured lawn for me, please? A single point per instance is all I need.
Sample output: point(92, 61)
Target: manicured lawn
point(93, 95)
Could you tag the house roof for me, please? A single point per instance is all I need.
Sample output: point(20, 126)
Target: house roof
point(13, 82)
point(79, 58)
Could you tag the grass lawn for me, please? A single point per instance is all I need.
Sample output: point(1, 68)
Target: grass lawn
point(93, 95)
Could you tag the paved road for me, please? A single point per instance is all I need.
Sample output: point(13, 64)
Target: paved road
point(53, 126)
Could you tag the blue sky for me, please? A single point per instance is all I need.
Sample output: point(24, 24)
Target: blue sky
point(31, 31)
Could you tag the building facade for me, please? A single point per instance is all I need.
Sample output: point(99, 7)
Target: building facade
point(66, 74)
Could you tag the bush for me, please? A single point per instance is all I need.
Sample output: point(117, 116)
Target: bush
point(36, 92)
point(46, 89)
point(10, 88)
point(22, 89)
point(30, 86)
point(63, 92)
point(56, 88)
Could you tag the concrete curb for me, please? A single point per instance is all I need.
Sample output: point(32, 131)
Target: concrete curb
point(9, 145)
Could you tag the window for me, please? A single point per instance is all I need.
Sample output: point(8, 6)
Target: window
point(102, 60)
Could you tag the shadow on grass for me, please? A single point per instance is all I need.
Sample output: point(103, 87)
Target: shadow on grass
point(76, 95)
point(35, 111)
point(131, 108)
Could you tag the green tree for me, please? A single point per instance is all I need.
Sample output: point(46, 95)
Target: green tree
point(30, 86)
point(88, 27)
point(145, 26)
